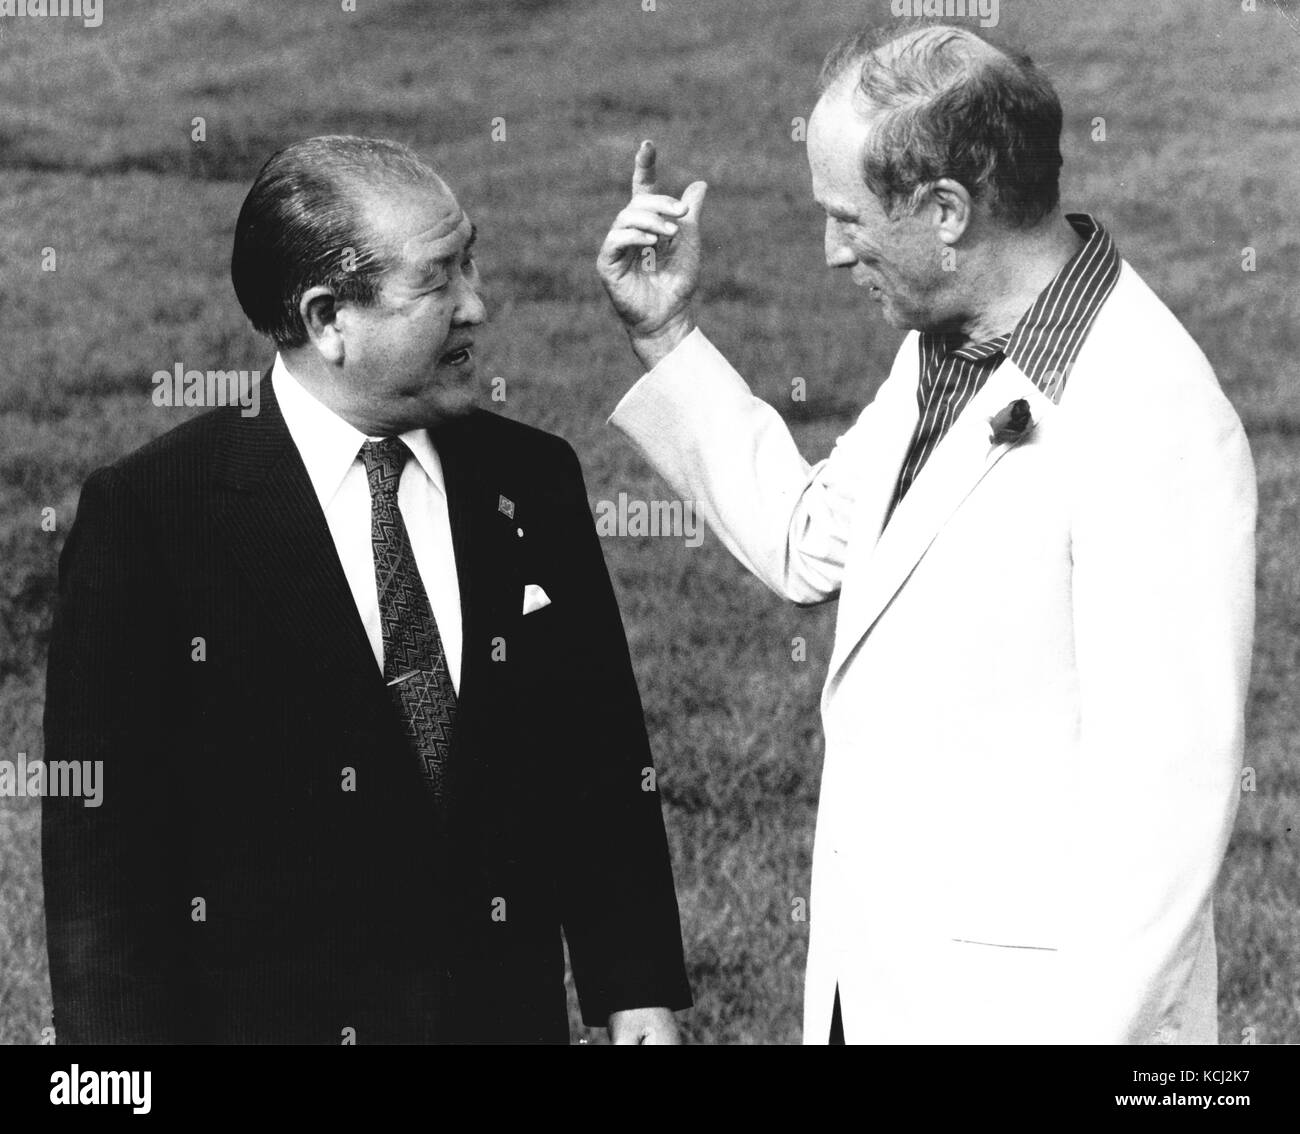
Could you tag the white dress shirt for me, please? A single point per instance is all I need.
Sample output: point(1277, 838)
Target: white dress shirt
point(330, 448)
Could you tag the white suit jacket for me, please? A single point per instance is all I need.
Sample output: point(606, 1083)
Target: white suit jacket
point(1034, 708)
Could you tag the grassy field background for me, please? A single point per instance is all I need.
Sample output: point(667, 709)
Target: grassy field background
point(1200, 101)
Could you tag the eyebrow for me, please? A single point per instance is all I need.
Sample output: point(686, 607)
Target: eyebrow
point(830, 208)
point(428, 267)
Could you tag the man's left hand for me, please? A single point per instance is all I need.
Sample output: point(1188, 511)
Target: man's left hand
point(643, 1025)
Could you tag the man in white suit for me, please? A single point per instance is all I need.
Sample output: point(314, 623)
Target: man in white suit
point(1041, 532)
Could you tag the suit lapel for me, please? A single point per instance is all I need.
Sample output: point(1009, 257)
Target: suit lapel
point(276, 530)
point(962, 459)
point(885, 452)
point(484, 557)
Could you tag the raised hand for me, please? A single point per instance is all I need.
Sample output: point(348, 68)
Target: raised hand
point(652, 290)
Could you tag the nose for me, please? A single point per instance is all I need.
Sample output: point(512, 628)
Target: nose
point(838, 252)
point(470, 309)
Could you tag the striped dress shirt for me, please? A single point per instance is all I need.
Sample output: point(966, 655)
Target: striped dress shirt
point(1043, 345)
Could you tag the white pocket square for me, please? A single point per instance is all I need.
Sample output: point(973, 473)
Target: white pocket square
point(535, 598)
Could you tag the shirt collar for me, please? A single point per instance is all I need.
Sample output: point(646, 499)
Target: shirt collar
point(328, 445)
point(1050, 334)
point(979, 352)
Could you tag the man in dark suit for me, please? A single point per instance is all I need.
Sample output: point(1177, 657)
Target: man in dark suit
point(354, 667)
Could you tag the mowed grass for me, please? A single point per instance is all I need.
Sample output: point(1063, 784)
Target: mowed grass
point(98, 163)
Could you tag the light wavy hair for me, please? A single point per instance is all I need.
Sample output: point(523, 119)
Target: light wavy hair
point(943, 102)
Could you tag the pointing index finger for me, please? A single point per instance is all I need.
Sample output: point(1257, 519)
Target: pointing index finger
point(643, 173)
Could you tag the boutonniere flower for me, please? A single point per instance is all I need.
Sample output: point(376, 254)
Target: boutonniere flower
point(1011, 424)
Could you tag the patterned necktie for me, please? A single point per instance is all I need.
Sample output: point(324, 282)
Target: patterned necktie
point(415, 666)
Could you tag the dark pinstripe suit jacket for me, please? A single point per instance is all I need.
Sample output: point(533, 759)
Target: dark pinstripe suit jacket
point(324, 909)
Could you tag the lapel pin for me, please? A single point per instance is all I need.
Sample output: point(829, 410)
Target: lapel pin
point(506, 507)
point(519, 532)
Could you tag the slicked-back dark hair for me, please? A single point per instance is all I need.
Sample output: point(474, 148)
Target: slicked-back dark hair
point(303, 225)
point(944, 102)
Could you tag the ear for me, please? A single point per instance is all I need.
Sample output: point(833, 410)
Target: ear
point(953, 209)
point(319, 311)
